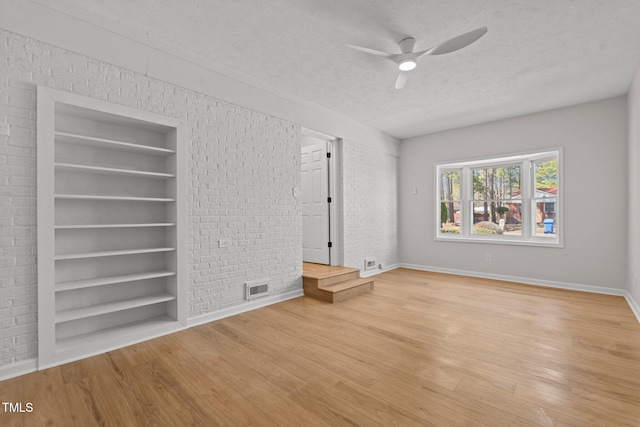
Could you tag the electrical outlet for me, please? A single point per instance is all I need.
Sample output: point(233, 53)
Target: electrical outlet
point(487, 258)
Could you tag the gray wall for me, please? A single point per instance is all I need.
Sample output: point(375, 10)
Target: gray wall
point(634, 189)
point(594, 139)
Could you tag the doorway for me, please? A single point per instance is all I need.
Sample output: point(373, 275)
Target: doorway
point(316, 197)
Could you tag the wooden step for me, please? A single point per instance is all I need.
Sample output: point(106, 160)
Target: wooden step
point(333, 284)
point(337, 277)
point(349, 288)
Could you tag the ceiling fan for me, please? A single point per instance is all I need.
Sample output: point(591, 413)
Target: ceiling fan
point(408, 59)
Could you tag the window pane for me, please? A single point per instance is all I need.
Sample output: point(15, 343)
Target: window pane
point(546, 218)
point(496, 183)
point(492, 201)
point(545, 199)
point(546, 178)
point(450, 217)
point(497, 217)
point(450, 185)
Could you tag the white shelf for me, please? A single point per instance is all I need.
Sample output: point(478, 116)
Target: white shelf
point(96, 310)
point(102, 281)
point(114, 179)
point(72, 167)
point(113, 337)
point(89, 226)
point(111, 198)
point(98, 254)
point(110, 143)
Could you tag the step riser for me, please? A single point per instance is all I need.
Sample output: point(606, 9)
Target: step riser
point(353, 292)
point(318, 294)
point(339, 296)
point(337, 279)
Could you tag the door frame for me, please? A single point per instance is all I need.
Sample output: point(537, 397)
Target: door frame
point(334, 162)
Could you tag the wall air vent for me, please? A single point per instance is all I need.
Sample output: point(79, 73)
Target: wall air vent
point(257, 288)
point(369, 264)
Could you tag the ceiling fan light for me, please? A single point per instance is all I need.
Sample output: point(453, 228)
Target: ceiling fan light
point(407, 64)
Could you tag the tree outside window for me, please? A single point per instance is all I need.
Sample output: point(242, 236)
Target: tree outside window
point(509, 199)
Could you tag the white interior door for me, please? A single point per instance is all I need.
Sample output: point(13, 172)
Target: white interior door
point(315, 204)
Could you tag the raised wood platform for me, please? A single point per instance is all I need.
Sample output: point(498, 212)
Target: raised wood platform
point(333, 284)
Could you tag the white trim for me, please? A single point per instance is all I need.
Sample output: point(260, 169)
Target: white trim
point(242, 308)
point(379, 271)
point(336, 247)
point(318, 135)
point(635, 308)
point(523, 280)
point(109, 344)
point(51, 352)
point(17, 369)
point(633, 304)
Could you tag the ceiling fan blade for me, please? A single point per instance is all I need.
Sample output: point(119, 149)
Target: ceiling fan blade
point(370, 51)
point(401, 80)
point(456, 43)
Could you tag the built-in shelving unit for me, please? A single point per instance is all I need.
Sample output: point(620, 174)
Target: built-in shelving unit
point(111, 212)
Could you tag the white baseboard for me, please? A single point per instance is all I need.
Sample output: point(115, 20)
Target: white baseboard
point(378, 271)
point(16, 369)
point(536, 282)
point(523, 280)
point(633, 304)
point(231, 311)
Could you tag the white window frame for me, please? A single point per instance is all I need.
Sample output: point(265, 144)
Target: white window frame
point(526, 162)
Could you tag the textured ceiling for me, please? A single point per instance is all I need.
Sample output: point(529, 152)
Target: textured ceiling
point(536, 55)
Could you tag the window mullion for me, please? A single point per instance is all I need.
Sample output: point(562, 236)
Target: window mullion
point(528, 181)
point(466, 204)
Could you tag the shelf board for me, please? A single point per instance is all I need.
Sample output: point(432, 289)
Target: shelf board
point(113, 337)
point(96, 310)
point(101, 281)
point(87, 226)
point(110, 253)
point(72, 167)
point(110, 143)
point(111, 198)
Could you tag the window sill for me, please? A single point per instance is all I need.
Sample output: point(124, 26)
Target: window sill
point(537, 242)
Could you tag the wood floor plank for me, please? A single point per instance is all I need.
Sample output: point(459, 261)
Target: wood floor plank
point(45, 390)
point(422, 348)
point(12, 391)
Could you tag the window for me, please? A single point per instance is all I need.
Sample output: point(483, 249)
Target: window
point(514, 199)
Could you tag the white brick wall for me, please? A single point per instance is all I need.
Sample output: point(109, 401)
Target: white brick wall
point(242, 168)
point(370, 191)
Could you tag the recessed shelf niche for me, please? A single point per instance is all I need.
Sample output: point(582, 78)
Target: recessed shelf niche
point(111, 212)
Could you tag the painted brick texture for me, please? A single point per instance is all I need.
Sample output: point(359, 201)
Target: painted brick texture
point(242, 168)
point(370, 191)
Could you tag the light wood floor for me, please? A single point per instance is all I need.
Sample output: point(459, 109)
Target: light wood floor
point(422, 349)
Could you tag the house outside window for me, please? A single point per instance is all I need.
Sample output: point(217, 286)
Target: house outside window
point(513, 199)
